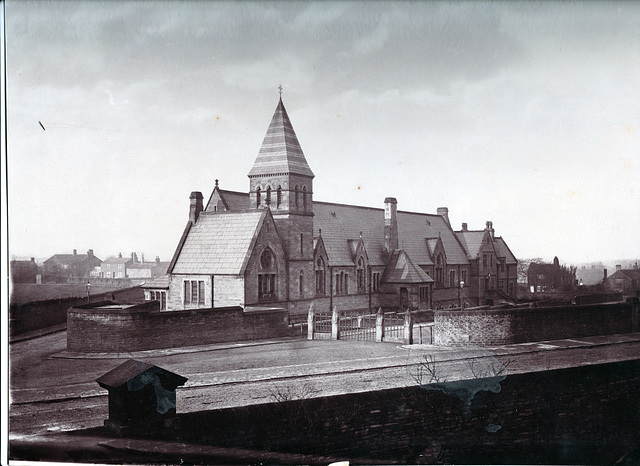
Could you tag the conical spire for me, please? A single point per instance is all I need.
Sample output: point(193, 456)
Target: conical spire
point(280, 151)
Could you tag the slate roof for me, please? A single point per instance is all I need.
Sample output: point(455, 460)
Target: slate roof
point(132, 368)
point(341, 223)
point(402, 270)
point(219, 243)
point(471, 240)
point(70, 259)
point(502, 250)
point(160, 282)
point(117, 260)
point(234, 200)
point(630, 274)
point(280, 151)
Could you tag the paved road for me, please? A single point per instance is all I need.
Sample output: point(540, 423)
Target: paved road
point(55, 391)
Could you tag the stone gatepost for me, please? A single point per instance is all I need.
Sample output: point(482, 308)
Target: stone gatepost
point(311, 322)
point(408, 328)
point(335, 324)
point(380, 325)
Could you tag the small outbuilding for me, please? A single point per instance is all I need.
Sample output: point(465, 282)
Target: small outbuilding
point(140, 395)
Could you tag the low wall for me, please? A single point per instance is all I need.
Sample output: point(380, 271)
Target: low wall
point(584, 415)
point(492, 327)
point(35, 315)
point(99, 330)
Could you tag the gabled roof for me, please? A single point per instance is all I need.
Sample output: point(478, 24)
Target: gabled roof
point(631, 274)
point(341, 224)
point(117, 260)
point(280, 151)
point(502, 250)
point(219, 243)
point(70, 259)
point(401, 270)
point(231, 200)
point(131, 369)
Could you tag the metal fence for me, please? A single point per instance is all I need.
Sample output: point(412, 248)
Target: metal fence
point(359, 327)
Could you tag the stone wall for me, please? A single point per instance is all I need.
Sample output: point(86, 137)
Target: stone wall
point(584, 415)
point(490, 327)
point(97, 330)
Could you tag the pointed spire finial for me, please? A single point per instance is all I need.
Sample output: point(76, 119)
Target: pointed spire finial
point(216, 183)
point(280, 89)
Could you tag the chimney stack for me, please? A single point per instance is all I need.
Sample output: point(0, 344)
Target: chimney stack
point(90, 253)
point(119, 255)
point(390, 224)
point(444, 213)
point(465, 227)
point(75, 252)
point(618, 267)
point(489, 228)
point(157, 259)
point(195, 206)
point(605, 275)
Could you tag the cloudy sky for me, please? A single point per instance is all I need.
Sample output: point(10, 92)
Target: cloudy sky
point(526, 114)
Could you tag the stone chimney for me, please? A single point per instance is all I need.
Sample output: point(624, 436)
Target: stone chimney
point(489, 228)
point(444, 213)
point(158, 260)
point(75, 252)
point(465, 227)
point(119, 255)
point(618, 267)
point(90, 253)
point(605, 275)
point(390, 224)
point(195, 206)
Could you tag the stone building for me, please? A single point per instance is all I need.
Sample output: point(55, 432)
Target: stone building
point(275, 244)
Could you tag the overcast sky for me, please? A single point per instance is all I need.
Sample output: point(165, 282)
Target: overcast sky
point(526, 114)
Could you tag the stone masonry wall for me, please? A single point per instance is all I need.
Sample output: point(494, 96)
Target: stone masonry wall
point(490, 327)
point(584, 415)
point(97, 330)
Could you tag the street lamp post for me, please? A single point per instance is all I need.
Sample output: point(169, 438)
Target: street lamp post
point(88, 291)
point(461, 295)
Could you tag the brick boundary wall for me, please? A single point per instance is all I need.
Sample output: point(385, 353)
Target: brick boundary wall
point(582, 415)
point(144, 327)
point(492, 327)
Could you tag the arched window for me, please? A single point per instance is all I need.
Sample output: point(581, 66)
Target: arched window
point(296, 196)
point(258, 196)
point(320, 276)
point(360, 274)
point(439, 271)
point(267, 276)
point(279, 197)
point(301, 284)
point(268, 196)
point(304, 197)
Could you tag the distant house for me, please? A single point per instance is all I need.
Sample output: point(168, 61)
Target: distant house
point(24, 271)
point(625, 281)
point(147, 269)
point(550, 277)
point(60, 267)
point(116, 267)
